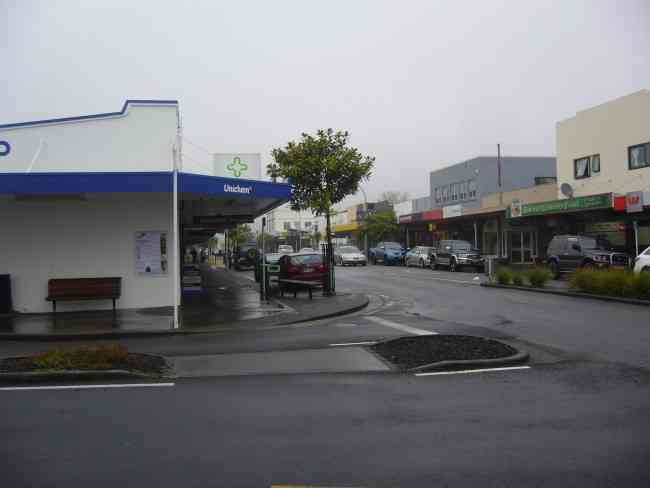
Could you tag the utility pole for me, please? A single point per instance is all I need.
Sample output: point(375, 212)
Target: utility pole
point(499, 174)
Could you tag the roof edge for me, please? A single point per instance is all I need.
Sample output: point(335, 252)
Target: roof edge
point(90, 117)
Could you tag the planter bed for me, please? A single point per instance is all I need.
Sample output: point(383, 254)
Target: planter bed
point(445, 351)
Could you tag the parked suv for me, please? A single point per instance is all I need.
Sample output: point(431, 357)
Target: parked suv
point(566, 253)
point(456, 254)
point(245, 256)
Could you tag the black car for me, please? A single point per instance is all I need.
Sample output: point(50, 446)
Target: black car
point(455, 254)
point(245, 256)
point(566, 253)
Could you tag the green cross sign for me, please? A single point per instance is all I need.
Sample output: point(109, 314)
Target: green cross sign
point(237, 167)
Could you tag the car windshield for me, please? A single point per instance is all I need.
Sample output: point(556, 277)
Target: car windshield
point(308, 259)
point(593, 243)
point(460, 245)
point(392, 245)
point(349, 250)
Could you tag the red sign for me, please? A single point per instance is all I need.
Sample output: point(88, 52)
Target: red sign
point(435, 214)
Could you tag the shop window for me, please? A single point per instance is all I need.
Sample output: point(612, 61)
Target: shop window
point(471, 185)
point(639, 156)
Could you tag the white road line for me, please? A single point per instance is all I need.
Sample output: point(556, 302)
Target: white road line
point(366, 343)
point(467, 371)
point(87, 387)
point(403, 328)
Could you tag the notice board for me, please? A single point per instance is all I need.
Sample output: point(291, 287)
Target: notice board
point(151, 253)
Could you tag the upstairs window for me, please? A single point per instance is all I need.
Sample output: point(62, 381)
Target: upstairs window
point(639, 156)
point(454, 192)
point(438, 195)
point(463, 190)
point(471, 185)
point(586, 167)
point(445, 193)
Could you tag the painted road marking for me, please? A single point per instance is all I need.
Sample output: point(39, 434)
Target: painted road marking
point(403, 328)
point(87, 387)
point(366, 343)
point(346, 325)
point(457, 281)
point(467, 371)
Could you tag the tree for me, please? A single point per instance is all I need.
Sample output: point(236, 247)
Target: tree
point(380, 226)
point(240, 234)
point(322, 170)
point(394, 197)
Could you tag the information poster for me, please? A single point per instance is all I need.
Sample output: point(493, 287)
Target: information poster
point(151, 253)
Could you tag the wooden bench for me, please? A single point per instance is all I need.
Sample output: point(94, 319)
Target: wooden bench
point(73, 289)
point(296, 285)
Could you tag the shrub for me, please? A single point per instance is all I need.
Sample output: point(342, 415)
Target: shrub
point(538, 277)
point(615, 283)
point(518, 279)
point(504, 276)
point(93, 357)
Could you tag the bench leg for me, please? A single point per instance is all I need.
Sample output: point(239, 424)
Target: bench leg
point(310, 296)
point(113, 305)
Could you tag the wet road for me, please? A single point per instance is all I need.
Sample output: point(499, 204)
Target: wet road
point(578, 417)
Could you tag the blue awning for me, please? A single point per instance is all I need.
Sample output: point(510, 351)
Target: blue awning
point(217, 186)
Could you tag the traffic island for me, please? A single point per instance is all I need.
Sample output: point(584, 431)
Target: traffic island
point(85, 363)
point(446, 352)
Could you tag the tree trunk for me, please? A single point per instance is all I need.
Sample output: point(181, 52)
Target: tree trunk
point(330, 253)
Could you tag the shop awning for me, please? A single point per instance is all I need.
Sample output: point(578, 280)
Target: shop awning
point(75, 183)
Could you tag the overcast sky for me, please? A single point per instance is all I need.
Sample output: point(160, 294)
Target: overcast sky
point(419, 84)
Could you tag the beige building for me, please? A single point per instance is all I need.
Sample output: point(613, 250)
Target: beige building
point(606, 149)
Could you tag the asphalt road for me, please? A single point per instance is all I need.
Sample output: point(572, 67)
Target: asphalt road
point(577, 417)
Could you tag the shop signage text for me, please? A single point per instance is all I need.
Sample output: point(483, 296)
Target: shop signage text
point(5, 148)
point(452, 211)
point(634, 202)
point(246, 190)
point(560, 206)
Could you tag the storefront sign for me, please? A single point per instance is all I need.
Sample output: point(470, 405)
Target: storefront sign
point(597, 227)
point(5, 148)
point(634, 201)
point(151, 253)
point(405, 219)
point(569, 205)
point(246, 166)
point(246, 190)
point(435, 214)
point(452, 211)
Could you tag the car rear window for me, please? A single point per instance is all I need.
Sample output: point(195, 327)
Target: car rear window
point(308, 259)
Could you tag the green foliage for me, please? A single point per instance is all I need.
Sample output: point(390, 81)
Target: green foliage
point(504, 276)
point(539, 276)
point(380, 226)
point(240, 235)
point(615, 283)
point(323, 169)
point(89, 357)
point(518, 279)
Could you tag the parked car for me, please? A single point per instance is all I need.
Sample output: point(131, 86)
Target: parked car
point(303, 267)
point(273, 268)
point(418, 256)
point(349, 255)
point(387, 253)
point(642, 262)
point(245, 256)
point(285, 249)
point(307, 249)
point(566, 253)
point(456, 254)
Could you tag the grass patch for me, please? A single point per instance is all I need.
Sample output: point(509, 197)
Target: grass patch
point(615, 283)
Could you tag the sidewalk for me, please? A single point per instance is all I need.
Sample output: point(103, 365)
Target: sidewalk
point(229, 301)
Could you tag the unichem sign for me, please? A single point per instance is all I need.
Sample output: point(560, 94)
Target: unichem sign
point(244, 190)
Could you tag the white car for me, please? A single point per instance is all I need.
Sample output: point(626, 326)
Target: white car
point(349, 255)
point(642, 262)
point(307, 249)
point(285, 249)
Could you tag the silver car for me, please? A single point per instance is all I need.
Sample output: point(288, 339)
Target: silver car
point(418, 256)
point(349, 255)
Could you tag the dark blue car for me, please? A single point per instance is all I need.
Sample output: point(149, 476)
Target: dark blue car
point(387, 253)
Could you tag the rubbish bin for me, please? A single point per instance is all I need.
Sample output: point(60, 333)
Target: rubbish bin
point(5, 294)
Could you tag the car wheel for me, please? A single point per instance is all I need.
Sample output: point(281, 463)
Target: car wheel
point(555, 269)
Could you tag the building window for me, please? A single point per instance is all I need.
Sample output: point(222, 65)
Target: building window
point(581, 168)
point(639, 156)
point(586, 167)
point(307, 225)
point(454, 192)
point(445, 193)
point(463, 190)
point(471, 184)
point(438, 197)
point(287, 226)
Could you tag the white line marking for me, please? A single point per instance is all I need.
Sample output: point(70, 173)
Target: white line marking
point(86, 387)
point(456, 281)
point(403, 328)
point(366, 343)
point(467, 371)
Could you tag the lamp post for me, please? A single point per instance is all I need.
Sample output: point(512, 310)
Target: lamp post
point(365, 216)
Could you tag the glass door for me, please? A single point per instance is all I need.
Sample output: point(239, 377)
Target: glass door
point(516, 253)
point(522, 246)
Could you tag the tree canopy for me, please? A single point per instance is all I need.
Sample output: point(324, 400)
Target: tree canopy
point(321, 168)
point(380, 226)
